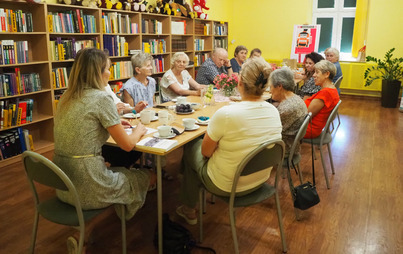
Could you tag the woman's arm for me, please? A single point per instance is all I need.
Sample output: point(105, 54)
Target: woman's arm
point(176, 89)
point(127, 98)
point(122, 139)
point(315, 106)
point(193, 83)
point(208, 146)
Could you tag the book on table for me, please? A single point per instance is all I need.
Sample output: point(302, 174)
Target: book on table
point(157, 144)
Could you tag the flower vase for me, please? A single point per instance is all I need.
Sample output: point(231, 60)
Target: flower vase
point(228, 92)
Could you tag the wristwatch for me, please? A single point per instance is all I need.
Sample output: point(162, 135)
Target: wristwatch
point(229, 67)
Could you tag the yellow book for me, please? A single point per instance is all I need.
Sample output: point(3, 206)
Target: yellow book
point(147, 47)
point(19, 116)
point(126, 49)
point(13, 21)
point(56, 102)
point(50, 22)
point(82, 24)
point(10, 117)
point(5, 118)
point(103, 26)
point(31, 142)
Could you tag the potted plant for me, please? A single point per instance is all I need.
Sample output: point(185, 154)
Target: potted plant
point(390, 70)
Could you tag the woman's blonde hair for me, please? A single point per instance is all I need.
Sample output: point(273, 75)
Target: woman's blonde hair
point(139, 60)
point(254, 75)
point(178, 55)
point(326, 66)
point(87, 70)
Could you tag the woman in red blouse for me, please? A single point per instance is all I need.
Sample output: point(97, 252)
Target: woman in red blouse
point(322, 103)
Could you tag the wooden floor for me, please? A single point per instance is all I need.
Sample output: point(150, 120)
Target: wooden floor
point(361, 213)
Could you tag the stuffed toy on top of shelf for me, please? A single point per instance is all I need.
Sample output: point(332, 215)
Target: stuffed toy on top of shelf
point(198, 6)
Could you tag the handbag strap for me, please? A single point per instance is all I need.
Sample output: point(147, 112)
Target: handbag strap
point(313, 150)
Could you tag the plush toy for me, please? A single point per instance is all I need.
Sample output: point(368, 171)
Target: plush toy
point(139, 5)
point(178, 9)
point(68, 2)
point(198, 6)
point(88, 3)
point(127, 5)
point(158, 6)
point(105, 4)
point(188, 9)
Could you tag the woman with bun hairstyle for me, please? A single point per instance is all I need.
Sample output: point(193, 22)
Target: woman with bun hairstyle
point(233, 132)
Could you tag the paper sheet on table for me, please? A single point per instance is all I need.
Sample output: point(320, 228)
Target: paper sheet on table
point(149, 130)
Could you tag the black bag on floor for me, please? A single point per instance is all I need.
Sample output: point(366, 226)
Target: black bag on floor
point(176, 238)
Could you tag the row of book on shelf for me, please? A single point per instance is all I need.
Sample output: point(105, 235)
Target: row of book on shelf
point(14, 142)
point(13, 52)
point(64, 49)
point(220, 42)
point(202, 29)
point(13, 82)
point(220, 29)
point(158, 64)
point(199, 44)
point(60, 77)
point(200, 58)
point(114, 22)
point(178, 45)
point(15, 21)
point(122, 69)
point(71, 22)
point(154, 46)
point(116, 45)
point(16, 112)
point(151, 26)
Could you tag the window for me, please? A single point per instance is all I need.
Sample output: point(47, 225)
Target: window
point(336, 18)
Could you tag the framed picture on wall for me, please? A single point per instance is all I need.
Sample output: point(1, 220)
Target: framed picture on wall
point(305, 40)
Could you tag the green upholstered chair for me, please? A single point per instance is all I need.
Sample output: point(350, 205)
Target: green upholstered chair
point(41, 170)
point(293, 159)
point(325, 138)
point(268, 154)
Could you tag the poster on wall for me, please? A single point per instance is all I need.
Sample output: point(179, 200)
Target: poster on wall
point(304, 40)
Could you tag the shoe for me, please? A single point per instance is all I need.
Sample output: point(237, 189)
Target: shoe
point(182, 214)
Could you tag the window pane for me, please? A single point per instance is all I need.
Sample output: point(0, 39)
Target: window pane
point(325, 3)
point(347, 35)
point(350, 3)
point(326, 29)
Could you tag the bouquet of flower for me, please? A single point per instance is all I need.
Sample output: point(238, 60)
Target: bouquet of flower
point(226, 83)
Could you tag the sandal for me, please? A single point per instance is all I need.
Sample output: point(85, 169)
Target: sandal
point(181, 213)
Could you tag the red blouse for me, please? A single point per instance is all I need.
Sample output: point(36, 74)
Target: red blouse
point(330, 97)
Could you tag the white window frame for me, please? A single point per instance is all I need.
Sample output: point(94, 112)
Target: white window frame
point(337, 13)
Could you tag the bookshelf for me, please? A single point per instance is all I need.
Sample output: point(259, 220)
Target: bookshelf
point(117, 30)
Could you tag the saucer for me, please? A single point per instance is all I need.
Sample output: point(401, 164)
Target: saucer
point(202, 122)
point(155, 118)
point(157, 135)
point(185, 113)
point(131, 115)
point(195, 127)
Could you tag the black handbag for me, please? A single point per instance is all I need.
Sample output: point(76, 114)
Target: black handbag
point(304, 195)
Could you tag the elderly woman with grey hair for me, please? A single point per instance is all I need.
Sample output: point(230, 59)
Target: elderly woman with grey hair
point(177, 81)
point(292, 108)
point(333, 55)
point(140, 89)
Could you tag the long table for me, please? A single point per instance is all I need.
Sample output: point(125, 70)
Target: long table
point(182, 139)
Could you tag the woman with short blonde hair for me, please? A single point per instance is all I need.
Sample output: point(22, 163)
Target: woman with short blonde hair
point(177, 81)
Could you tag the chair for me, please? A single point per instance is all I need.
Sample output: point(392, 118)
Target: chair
point(293, 159)
point(337, 85)
point(43, 171)
point(268, 154)
point(324, 139)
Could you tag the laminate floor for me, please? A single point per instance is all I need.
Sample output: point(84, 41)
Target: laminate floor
point(361, 213)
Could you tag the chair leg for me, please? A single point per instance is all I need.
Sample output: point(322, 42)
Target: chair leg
point(212, 198)
point(233, 228)
point(81, 239)
point(123, 222)
point(201, 202)
point(204, 201)
point(280, 223)
point(324, 167)
point(330, 157)
point(34, 232)
point(338, 118)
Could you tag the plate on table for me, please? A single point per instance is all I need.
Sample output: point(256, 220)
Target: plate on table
point(131, 115)
point(155, 118)
point(185, 113)
point(157, 135)
point(195, 127)
point(174, 100)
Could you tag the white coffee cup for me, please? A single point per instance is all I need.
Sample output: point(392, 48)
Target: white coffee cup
point(189, 123)
point(145, 117)
point(165, 131)
point(164, 117)
point(181, 100)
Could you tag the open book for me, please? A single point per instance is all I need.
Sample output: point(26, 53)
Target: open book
point(157, 144)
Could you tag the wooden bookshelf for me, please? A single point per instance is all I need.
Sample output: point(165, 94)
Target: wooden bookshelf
point(41, 57)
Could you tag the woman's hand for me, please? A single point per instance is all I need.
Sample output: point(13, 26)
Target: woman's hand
point(140, 130)
point(126, 124)
point(140, 106)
